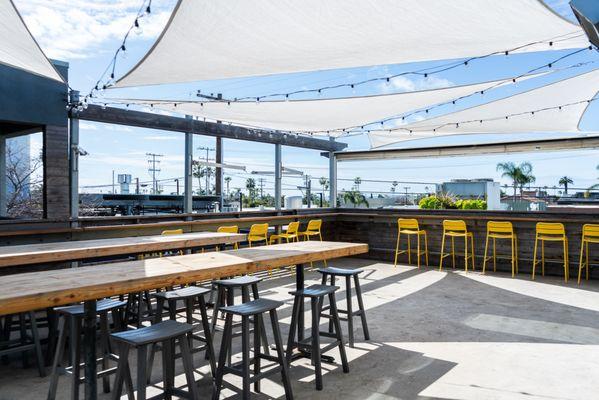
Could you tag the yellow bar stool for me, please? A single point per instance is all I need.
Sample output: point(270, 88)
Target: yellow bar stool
point(457, 229)
point(501, 230)
point(550, 232)
point(590, 234)
point(313, 229)
point(410, 227)
point(228, 229)
point(290, 235)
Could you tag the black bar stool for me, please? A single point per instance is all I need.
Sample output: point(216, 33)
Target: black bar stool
point(28, 340)
point(253, 309)
point(226, 294)
point(316, 294)
point(189, 295)
point(166, 333)
point(139, 308)
point(72, 319)
point(348, 274)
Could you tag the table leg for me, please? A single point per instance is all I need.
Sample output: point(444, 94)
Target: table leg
point(89, 349)
point(299, 284)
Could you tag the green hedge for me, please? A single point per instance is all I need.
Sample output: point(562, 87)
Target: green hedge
point(445, 201)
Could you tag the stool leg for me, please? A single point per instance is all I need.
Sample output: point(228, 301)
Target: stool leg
point(485, 256)
point(534, 258)
point(154, 346)
point(261, 325)
point(316, 342)
point(442, 255)
point(580, 265)
point(361, 307)
point(494, 255)
point(245, 356)
point(105, 348)
point(208, 335)
point(418, 250)
point(230, 302)
point(452, 253)
point(52, 335)
point(142, 373)
point(58, 356)
point(274, 321)
point(123, 374)
point(188, 367)
point(217, 305)
point(259, 322)
point(542, 258)
point(426, 249)
point(587, 261)
point(23, 332)
point(335, 316)
point(168, 373)
point(396, 250)
point(350, 314)
point(331, 321)
point(222, 357)
point(37, 344)
point(292, 328)
point(75, 343)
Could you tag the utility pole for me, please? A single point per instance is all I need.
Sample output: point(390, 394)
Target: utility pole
point(136, 185)
point(308, 185)
point(208, 149)
point(113, 190)
point(153, 169)
point(406, 189)
point(261, 188)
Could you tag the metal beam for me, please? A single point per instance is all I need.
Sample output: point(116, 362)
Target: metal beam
point(74, 160)
point(188, 183)
point(119, 116)
point(219, 170)
point(278, 176)
point(541, 145)
point(332, 178)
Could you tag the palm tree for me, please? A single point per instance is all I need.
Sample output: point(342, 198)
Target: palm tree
point(228, 181)
point(519, 174)
point(324, 184)
point(250, 185)
point(565, 181)
point(525, 175)
point(357, 182)
point(509, 170)
point(394, 186)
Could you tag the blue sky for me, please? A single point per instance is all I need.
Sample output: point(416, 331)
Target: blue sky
point(88, 35)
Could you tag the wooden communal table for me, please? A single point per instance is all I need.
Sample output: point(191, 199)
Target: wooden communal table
point(38, 290)
point(85, 249)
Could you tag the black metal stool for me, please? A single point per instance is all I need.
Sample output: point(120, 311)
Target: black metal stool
point(189, 295)
point(226, 294)
point(348, 274)
point(253, 309)
point(25, 342)
point(166, 333)
point(316, 294)
point(72, 318)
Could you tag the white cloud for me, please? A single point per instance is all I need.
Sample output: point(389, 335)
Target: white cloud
point(68, 31)
point(405, 84)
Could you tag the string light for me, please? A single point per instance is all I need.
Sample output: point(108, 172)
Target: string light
point(102, 83)
point(426, 72)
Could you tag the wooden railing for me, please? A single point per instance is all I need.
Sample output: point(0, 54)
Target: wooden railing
point(375, 227)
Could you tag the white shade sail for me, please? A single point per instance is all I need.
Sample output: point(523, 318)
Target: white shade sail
point(319, 115)
point(210, 39)
point(572, 92)
point(18, 48)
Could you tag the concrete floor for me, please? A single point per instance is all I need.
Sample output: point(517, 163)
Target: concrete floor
point(435, 335)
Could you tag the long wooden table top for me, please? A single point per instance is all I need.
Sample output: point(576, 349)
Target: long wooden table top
point(37, 290)
point(82, 249)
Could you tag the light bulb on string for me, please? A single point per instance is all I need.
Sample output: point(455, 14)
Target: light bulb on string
point(137, 29)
